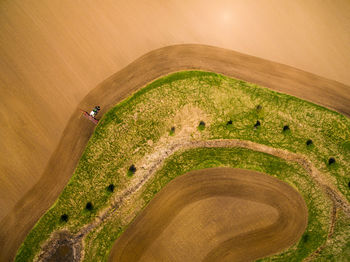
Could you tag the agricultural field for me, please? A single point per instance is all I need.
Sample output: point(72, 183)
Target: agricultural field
point(194, 120)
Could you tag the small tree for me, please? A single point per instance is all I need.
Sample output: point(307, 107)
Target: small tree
point(331, 161)
point(309, 142)
point(305, 238)
point(229, 122)
point(110, 188)
point(349, 184)
point(257, 124)
point(258, 107)
point(172, 131)
point(132, 170)
point(285, 128)
point(64, 218)
point(89, 206)
point(201, 126)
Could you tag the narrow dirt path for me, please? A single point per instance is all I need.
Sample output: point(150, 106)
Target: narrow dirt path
point(156, 160)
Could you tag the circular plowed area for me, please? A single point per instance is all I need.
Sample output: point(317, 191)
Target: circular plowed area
point(216, 214)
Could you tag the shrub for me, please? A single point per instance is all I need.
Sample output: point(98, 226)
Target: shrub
point(201, 126)
point(132, 170)
point(257, 124)
point(89, 206)
point(229, 122)
point(305, 238)
point(172, 131)
point(349, 184)
point(309, 142)
point(110, 188)
point(285, 128)
point(258, 107)
point(64, 218)
point(331, 161)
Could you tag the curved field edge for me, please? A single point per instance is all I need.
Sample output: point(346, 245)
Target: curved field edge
point(133, 128)
point(156, 221)
point(194, 159)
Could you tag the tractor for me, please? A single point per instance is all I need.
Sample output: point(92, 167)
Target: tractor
point(92, 115)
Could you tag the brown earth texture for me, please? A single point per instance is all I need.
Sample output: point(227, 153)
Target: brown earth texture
point(54, 53)
point(34, 203)
point(216, 214)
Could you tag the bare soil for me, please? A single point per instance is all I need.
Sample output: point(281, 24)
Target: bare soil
point(217, 214)
point(63, 247)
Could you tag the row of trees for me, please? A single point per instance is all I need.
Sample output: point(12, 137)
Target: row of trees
point(132, 169)
point(89, 206)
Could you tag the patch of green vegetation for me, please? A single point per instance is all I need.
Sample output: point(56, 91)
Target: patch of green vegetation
point(172, 131)
point(132, 129)
point(110, 188)
point(129, 173)
point(337, 248)
point(201, 126)
point(346, 145)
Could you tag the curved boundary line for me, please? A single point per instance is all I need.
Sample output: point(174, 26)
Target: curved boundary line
point(335, 196)
point(203, 176)
point(337, 199)
point(16, 225)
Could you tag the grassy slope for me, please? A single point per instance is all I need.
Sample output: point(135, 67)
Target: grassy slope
point(338, 247)
point(122, 138)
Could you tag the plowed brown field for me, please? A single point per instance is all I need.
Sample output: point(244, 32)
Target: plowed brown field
point(54, 52)
point(216, 214)
point(16, 225)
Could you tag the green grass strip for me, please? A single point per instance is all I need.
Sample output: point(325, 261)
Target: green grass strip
point(131, 129)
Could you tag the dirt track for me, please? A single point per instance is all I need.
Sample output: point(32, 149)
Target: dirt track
point(15, 226)
point(246, 206)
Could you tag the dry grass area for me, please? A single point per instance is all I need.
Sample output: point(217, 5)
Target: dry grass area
point(217, 214)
